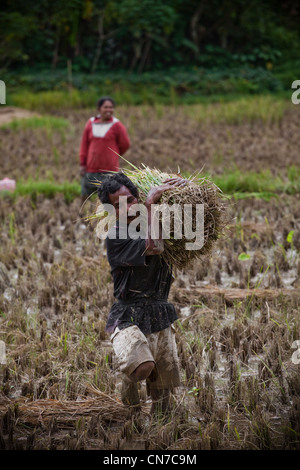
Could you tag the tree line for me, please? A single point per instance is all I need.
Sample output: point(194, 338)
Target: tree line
point(143, 35)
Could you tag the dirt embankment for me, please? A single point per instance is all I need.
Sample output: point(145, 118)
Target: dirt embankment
point(9, 113)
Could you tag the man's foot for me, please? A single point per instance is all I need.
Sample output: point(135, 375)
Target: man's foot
point(129, 392)
point(160, 402)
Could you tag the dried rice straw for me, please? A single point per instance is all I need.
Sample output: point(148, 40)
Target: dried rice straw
point(67, 412)
point(199, 190)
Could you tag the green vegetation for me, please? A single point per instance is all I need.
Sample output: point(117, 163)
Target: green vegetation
point(37, 122)
point(258, 183)
point(51, 91)
point(239, 185)
point(267, 109)
point(189, 88)
point(141, 51)
point(47, 101)
point(48, 188)
point(142, 35)
point(228, 108)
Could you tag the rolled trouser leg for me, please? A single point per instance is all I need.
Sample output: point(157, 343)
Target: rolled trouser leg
point(143, 371)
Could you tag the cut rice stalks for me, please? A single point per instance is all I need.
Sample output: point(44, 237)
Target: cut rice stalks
point(198, 191)
point(66, 413)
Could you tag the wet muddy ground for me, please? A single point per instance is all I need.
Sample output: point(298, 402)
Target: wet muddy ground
point(238, 315)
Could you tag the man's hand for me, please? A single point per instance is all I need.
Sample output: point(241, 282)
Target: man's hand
point(154, 194)
point(177, 181)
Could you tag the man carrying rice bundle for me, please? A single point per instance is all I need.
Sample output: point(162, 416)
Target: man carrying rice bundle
point(141, 320)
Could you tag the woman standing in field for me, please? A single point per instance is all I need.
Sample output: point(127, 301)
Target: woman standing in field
point(103, 135)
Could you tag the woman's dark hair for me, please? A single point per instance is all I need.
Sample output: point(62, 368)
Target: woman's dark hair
point(112, 184)
point(103, 99)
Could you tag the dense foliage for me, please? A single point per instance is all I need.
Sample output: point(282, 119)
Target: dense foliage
point(141, 35)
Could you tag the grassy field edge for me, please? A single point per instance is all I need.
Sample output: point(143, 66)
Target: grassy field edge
point(235, 184)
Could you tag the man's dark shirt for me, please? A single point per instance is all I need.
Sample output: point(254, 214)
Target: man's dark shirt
point(141, 286)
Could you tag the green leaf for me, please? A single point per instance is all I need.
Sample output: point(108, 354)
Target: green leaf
point(289, 238)
point(237, 434)
point(243, 256)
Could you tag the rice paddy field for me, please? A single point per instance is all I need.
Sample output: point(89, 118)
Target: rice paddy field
point(238, 332)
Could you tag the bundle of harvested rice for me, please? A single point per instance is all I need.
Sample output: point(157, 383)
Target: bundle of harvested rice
point(66, 413)
point(199, 191)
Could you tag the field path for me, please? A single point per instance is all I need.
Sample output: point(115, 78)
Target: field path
point(9, 113)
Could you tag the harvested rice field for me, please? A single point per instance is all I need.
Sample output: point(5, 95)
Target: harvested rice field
point(238, 332)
